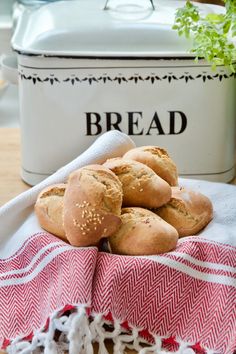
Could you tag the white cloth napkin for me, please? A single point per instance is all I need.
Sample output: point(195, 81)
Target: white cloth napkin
point(223, 196)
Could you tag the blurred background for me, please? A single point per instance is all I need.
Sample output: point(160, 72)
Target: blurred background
point(10, 10)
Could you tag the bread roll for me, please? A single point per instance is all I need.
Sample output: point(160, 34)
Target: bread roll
point(188, 211)
point(158, 160)
point(48, 209)
point(142, 233)
point(92, 205)
point(141, 186)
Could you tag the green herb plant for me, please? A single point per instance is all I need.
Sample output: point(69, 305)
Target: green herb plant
point(212, 34)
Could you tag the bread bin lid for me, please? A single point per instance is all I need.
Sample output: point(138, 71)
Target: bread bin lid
point(83, 28)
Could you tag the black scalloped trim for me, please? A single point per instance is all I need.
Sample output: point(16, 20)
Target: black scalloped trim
point(121, 79)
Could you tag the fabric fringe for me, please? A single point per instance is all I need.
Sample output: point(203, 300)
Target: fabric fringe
point(74, 330)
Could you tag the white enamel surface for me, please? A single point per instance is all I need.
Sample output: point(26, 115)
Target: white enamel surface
point(84, 28)
point(54, 123)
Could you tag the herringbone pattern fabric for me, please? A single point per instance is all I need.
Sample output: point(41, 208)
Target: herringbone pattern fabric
point(189, 293)
point(43, 276)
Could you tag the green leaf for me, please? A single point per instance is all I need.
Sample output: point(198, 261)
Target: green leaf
point(226, 26)
point(209, 34)
point(216, 18)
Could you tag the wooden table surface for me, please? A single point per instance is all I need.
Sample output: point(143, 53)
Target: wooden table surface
point(10, 182)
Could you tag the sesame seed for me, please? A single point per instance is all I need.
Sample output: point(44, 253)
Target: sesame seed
point(141, 190)
point(76, 223)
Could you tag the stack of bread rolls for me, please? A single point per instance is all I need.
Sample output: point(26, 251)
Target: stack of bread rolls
point(133, 201)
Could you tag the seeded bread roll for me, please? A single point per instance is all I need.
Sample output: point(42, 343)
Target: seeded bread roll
point(188, 211)
point(141, 186)
point(92, 205)
point(48, 209)
point(157, 159)
point(142, 233)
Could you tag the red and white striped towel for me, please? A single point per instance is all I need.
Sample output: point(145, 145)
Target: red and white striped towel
point(55, 297)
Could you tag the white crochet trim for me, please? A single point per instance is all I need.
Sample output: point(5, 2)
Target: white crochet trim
point(79, 331)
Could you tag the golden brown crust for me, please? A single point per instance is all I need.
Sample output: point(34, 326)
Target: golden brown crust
point(142, 233)
point(141, 186)
point(188, 211)
point(48, 209)
point(92, 205)
point(158, 160)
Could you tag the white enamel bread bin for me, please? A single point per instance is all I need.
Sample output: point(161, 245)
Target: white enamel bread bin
point(83, 70)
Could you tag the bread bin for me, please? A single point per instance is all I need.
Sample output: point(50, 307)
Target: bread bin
point(87, 66)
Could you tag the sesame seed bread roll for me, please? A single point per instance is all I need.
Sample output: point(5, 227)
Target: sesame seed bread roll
point(92, 205)
point(188, 211)
point(157, 159)
point(142, 233)
point(48, 209)
point(141, 186)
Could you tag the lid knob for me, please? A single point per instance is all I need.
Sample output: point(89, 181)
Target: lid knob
point(107, 1)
